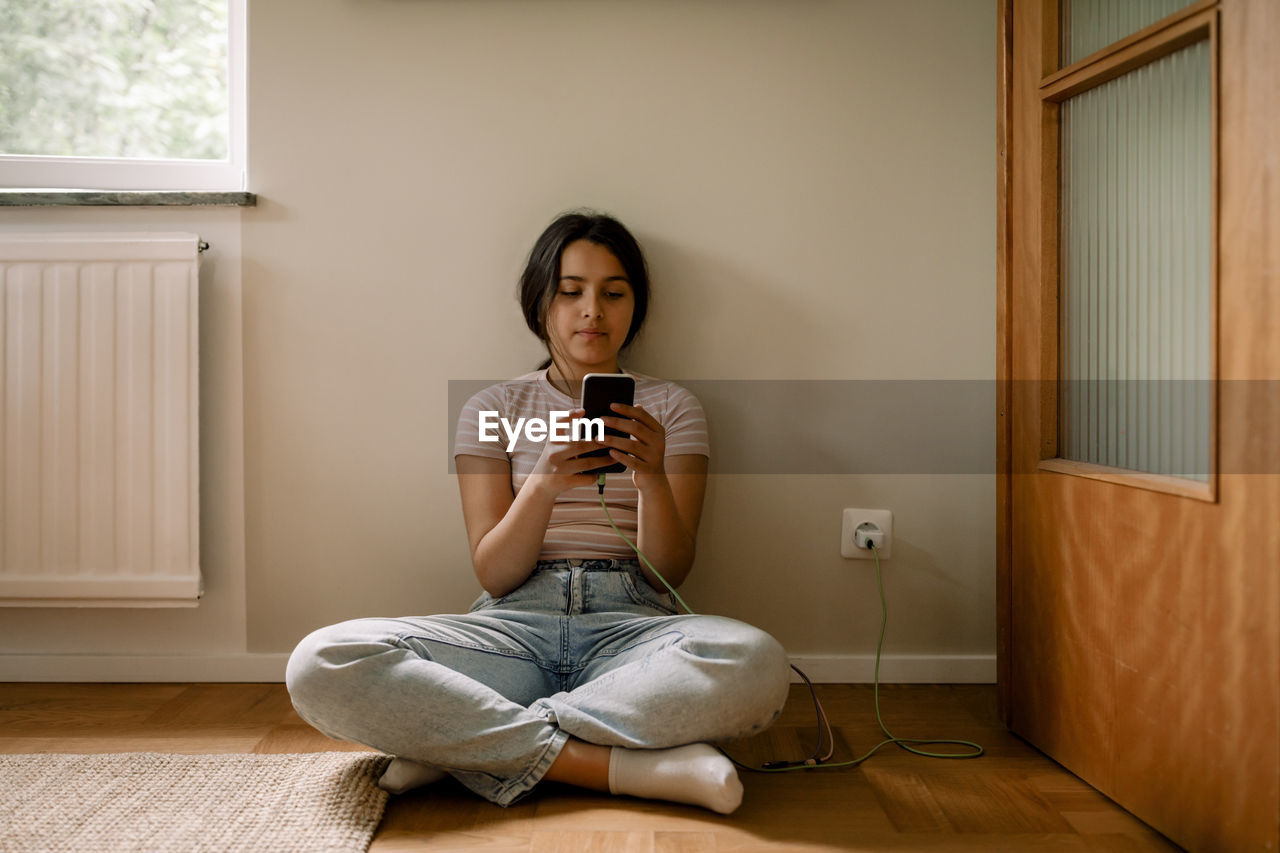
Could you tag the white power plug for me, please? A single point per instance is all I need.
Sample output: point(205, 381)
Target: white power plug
point(867, 535)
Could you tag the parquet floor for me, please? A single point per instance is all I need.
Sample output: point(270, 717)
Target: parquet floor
point(1013, 798)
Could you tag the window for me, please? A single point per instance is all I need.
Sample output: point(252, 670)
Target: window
point(1136, 275)
point(122, 94)
point(1089, 26)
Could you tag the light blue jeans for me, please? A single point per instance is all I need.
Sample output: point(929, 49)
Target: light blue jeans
point(584, 649)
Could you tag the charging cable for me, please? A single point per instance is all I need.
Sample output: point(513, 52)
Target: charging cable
point(866, 536)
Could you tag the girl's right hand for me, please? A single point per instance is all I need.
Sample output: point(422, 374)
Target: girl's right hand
point(561, 466)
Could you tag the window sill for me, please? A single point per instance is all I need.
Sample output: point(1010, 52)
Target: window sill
point(117, 198)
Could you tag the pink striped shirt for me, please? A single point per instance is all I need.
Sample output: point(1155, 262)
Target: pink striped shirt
point(578, 527)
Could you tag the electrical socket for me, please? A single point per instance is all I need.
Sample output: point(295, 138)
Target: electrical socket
point(881, 518)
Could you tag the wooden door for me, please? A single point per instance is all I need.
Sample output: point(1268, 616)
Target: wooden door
point(1140, 621)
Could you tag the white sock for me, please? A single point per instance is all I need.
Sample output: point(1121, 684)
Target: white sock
point(404, 775)
point(698, 774)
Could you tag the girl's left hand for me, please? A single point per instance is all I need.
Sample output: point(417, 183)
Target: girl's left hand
point(644, 452)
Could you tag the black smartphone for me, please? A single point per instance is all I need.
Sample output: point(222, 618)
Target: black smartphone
point(599, 390)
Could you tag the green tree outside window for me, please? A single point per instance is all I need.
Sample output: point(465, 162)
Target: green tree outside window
point(114, 78)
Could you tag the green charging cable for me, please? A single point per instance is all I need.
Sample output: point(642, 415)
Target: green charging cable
point(909, 744)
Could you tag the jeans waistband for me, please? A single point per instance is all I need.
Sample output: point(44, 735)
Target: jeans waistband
point(586, 565)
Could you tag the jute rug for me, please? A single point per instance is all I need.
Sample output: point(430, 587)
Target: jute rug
point(325, 801)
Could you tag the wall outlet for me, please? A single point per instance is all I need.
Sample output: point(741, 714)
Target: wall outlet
point(881, 518)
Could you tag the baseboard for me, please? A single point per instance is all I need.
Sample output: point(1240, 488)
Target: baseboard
point(897, 669)
point(134, 668)
point(829, 669)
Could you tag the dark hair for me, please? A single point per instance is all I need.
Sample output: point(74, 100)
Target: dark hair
point(541, 277)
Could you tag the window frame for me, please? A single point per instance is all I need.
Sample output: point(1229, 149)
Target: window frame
point(30, 171)
point(1196, 22)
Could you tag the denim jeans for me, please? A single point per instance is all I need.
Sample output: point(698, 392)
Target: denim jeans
point(584, 649)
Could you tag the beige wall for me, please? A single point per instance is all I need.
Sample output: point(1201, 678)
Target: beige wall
point(814, 184)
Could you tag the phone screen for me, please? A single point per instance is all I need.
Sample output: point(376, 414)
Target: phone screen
point(599, 390)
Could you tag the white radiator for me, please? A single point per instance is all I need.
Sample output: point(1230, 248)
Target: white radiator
point(98, 420)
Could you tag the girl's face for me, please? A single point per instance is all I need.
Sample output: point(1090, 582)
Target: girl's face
point(590, 313)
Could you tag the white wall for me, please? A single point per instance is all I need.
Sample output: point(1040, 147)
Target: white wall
point(785, 164)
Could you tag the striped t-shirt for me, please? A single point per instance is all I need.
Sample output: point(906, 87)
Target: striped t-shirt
point(578, 527)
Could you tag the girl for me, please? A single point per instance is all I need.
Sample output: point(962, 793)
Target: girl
point(573, 665)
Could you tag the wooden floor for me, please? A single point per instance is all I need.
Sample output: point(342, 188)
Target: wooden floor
point(1012, 799)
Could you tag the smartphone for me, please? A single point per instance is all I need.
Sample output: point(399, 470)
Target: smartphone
point(599, 390)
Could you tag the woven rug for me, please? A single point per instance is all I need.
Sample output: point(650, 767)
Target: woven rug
point(143, 801)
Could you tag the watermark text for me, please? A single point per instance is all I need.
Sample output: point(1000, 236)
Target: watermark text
point(560, 428)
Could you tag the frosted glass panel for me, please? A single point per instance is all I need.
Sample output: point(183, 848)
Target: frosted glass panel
point(1135, 275)
point(1090, 25)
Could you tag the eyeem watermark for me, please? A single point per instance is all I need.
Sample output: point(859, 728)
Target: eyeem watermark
point(560, 428)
